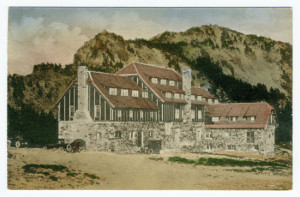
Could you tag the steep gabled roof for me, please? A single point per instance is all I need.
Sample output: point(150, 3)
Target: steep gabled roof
point(201, 92)
point(147, 71)
point(64, 93)
point(261, 112)
point(102, 81)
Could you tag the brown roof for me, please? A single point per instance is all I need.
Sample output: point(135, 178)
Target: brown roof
point(201, 92)
point(261, 111)
point(101, 80)
point(146, 72)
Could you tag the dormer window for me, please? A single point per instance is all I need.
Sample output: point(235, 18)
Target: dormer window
point(163, 82)
point(145, 94)
point(210, 101)
point(154, 80)
point(135, 93)
point(176, 96)
point(124, 92)
point(216, 101)
point(215, 119)
point(113, 91)
point(233, 118)
point(193, 97)
point(251, 118)
point(168, 95)
point(172, 83)
point(199, 98)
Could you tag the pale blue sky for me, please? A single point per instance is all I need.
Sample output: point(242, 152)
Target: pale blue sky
point(54, 34)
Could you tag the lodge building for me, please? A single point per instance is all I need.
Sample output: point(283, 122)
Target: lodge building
point(147, 106)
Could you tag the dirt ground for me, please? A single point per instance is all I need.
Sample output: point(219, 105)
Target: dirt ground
point(141, 172)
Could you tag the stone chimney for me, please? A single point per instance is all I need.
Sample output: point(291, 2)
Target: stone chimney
point(186, 86)
point(82, 113)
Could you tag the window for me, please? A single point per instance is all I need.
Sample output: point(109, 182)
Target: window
point(199, 114)
point(193, 114)
point(154, 80)
point(252, 118)
point(99, 135)
point(72, 110)
point(215, 119)
point(182, 96)
point(208, 135)
point(131, 134)
point(124, 92)
point(141, 115)
point(233, 118)
point(176, 113)
point(209, 100)
point(176, 95)
point(98, 109)
point(130, 114)
point(168, 94)
point(193, 97)
point(216, 101)
point(119, 114)
point(250, 137)
point(231, 147)
point(151, 115)
point(145, 94)
point(113, 91)
point(172, 83)
point(150, 133)
point(208, 146)
point(135, 93)
point(163, 82)
point(118, 134)
point(199, 98)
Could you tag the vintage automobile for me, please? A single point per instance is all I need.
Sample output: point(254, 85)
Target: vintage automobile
point(75, 146)
point(17, 142)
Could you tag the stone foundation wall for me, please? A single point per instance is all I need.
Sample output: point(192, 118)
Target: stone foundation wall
point(174, 136)
point(101, 136)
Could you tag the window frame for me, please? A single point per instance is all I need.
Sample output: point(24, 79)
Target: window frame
point(124, 92)
point(113, 91)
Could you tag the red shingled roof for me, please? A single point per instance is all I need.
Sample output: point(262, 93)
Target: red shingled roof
point(201, 92)
point(261, 111)
point(146, 72)
point(101, 80)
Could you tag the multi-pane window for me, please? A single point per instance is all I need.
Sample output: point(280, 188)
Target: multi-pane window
point(124, 92)
point(141, 115)
point(216, 101)
point(193, 97)
point(199, 114)
point(233, 118)
point(118, 134)
point(231, 147)
point(154, 80)
point(168, 94)
point(250, 137)
point(199, 98)
point(172, 83)
point(145, 94)
point(182, 96)
point(119, 114)
point(135, 93)
point(210, 101)
point(130, 114)
point(176, 96)
point(163, 82)
point(72, 111)
point(176, 113)
point(193, 114)
point(151, 115)
point(98, 109)
point(215, 119)
point(113, 91)
point(252, 118)
point(208, 135)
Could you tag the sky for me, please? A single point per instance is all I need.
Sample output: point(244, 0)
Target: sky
point(37, 35)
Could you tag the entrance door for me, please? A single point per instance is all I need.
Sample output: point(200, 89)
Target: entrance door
point(140, 139)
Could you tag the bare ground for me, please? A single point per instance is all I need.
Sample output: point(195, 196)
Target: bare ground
point(141, 172)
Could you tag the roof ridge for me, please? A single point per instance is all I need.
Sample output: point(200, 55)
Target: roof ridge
point(172, 69)
point(114, 74)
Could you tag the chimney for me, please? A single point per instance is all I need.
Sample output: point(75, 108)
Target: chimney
point(82, 113)
point(186, 86)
